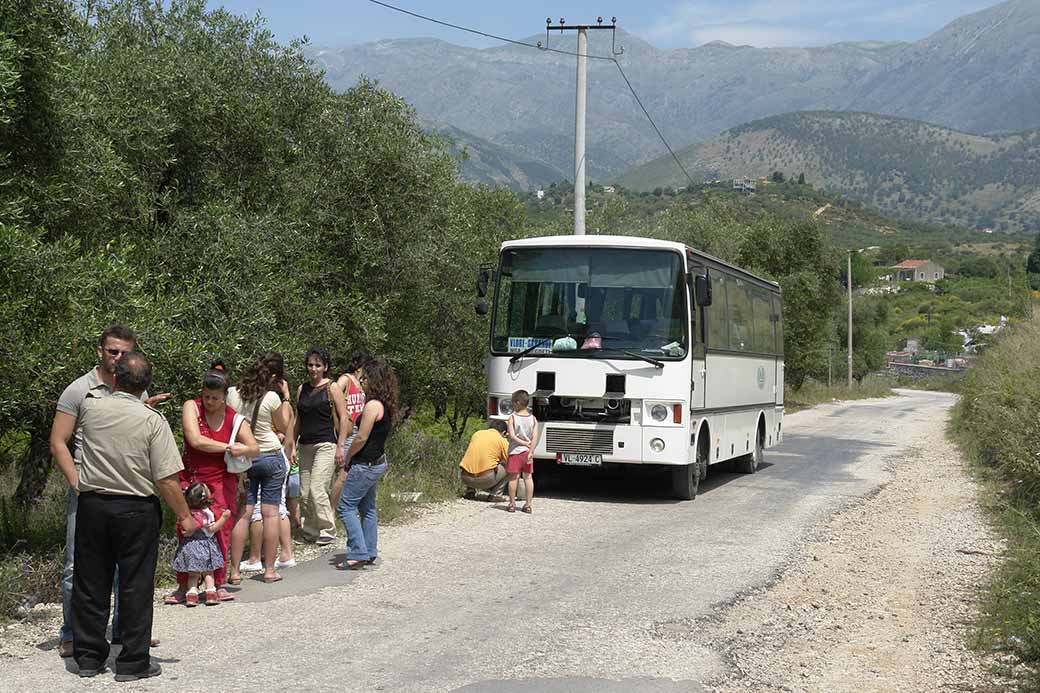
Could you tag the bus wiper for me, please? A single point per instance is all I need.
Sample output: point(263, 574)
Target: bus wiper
point(516, 357)
point(636, 355)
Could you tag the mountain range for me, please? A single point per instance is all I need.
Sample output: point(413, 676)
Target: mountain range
point(903, 167)
point(976, 75)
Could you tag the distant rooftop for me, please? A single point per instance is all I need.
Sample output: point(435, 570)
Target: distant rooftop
point(910, 264)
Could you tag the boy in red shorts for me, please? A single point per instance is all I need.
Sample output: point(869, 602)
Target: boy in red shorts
point(522, 428)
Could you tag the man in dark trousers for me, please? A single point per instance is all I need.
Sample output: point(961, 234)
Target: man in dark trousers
point(129, 453)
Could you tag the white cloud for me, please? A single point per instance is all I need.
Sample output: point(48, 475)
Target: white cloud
point(760, 35)
point(805, 22)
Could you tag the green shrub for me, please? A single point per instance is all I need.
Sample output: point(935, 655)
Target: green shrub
point(996, 423)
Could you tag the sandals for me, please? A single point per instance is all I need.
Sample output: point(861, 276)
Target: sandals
point(211, 598)
point(224, 596)
point(272, 578)
point(191, 599)
point(175, 597)
point(352, 565)
point(511, 508)
point(527, 509)
point(234, 580)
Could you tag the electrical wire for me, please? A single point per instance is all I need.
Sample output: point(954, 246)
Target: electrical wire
point(485, 34)
point(652, 123)
point(612, 59)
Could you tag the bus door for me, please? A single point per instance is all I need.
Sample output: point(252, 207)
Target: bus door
point(778, 333)
point(698, 335)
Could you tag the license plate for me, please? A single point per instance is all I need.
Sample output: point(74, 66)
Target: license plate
point(581, 460)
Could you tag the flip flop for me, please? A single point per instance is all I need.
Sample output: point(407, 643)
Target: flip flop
point(224, 596)
point(356, 565)
point(269, 580)
point(174, 598)
point(235, 581)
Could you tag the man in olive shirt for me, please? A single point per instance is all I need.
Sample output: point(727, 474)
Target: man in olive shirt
point(128, 454)
point(66, 448)
point(483, 467)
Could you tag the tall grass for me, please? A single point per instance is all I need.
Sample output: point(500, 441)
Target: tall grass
point(813, 392)
point(997, 423)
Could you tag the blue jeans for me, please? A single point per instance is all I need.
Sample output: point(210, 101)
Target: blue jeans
point(65, 634)
point(357, 509)
point(266, 478)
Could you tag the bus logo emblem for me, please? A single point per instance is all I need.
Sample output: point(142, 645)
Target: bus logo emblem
point(761, 378)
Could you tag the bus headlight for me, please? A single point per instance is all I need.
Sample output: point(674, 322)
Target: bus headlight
point(659, 413)
point(656, 444)
point(505, 406)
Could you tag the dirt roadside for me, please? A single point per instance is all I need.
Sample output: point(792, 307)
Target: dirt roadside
point(881, 599)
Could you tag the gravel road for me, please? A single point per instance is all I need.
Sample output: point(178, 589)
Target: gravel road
point(839, 566)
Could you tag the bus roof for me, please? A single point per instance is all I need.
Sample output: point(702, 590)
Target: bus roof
point(635, 242)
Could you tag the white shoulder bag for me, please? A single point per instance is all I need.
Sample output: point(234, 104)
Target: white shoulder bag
point(236, 464)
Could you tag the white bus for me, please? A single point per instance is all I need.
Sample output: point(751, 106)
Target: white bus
point(639, 352)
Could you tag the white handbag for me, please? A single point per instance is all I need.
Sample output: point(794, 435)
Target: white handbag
point(236, 464)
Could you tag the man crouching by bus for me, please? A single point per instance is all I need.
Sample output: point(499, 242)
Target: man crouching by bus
point(483, 467)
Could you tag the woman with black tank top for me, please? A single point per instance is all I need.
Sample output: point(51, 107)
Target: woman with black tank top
point(368, 463)
point(319, 404)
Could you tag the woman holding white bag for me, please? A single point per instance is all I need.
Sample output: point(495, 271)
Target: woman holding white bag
point(213, 430)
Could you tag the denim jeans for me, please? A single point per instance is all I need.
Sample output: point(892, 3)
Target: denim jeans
point(357, 509)
point(266, 479)
point(66, 575)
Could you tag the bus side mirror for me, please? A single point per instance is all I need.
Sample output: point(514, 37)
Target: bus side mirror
point(703, 285)
point(481, 307)
point(483, 278)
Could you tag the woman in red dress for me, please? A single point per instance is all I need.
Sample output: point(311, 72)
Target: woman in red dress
point(208, 422)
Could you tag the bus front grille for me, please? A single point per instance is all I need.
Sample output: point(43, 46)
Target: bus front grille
point(580, 440)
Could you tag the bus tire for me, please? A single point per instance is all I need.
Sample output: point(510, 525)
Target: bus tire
point(686, 479)
point(748, 464)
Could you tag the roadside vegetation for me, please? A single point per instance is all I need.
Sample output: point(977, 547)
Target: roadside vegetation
point(814, 392)
point(996, 422)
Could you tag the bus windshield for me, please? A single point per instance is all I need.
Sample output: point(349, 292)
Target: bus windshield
point(591, 302)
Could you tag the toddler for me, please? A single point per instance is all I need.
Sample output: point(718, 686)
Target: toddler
point(198, 554)
point(523, 438)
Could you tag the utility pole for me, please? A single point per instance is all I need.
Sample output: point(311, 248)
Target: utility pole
point(850, 320)
point(580, 100)
point(579, 131)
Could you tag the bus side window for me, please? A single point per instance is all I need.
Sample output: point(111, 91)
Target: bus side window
point(717, 313)
point(762, 309)
point(741, 336)
point(779, 318)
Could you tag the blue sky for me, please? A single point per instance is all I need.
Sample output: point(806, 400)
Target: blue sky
point(664, 23)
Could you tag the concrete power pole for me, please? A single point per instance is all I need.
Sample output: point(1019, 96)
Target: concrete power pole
point(580, 100)
point(579, 132)
point(850, 320)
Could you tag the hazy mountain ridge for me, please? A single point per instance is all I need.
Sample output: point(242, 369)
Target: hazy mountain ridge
point(977, 74)
point(903, 167)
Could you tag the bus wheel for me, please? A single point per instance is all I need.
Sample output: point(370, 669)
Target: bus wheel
point(748, 464)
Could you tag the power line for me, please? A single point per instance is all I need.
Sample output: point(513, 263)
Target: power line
point(656, 129)
point(612, 59)
point(484, 33)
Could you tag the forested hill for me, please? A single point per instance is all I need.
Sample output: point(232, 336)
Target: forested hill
point(903, 167)
point(978, 75)
point(481, 161)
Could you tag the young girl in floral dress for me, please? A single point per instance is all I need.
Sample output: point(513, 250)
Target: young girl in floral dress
point(198, 554)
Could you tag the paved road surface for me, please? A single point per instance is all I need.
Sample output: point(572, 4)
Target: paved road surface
point(586, 594)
